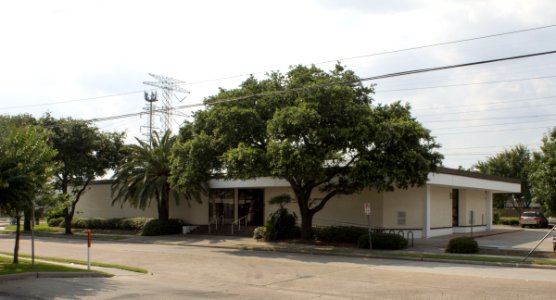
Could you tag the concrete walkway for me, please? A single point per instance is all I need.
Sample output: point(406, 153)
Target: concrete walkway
point(501, 237)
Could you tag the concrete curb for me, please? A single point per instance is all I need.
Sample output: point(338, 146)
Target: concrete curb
point(29, 275)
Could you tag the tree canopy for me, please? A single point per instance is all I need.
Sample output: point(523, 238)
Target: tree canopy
point(83, 154)
point(315, 129)
point(25, 167)
point(543, 174)
point(512, 163)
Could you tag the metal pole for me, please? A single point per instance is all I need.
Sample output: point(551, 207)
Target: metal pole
point(528, 254)
point(33, 233)
point(370, 237)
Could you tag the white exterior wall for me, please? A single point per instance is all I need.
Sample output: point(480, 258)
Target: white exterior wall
point(472, 200)
point(441, 207)
point(96, 202)
point(409, 201)
point(341, 210)
point(197, 214)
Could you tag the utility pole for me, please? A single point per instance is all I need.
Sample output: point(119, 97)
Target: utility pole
point(150, 99)
point(170, 89)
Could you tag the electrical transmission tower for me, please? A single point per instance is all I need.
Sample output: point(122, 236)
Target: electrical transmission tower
point(150, 129)
point(171, 88)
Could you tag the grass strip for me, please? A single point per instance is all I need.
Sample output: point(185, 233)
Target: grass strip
point(24, 265)
point(46, 231)
point(474, 258)
point(81, 262)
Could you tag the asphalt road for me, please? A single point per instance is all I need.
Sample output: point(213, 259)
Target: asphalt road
point(184, 272)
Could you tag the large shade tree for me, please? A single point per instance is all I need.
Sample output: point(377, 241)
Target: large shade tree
point(315, 129)
point(143, 176)
point(543, 174)
point(84, 154)
point(512, 163)
point(25, 168)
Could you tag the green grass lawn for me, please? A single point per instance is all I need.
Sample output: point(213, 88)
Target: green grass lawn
point(82, 262)
point(6, 267)
point(45, 230)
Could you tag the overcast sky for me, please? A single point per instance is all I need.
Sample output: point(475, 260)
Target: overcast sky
point(89, 59)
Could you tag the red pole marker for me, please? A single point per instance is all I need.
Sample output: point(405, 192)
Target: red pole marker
point(88, 249)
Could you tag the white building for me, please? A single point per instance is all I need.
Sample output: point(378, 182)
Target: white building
point(452, 201)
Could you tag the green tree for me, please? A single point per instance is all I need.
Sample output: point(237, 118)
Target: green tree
point(84, 153)
point(315, 129)
point(543, 174)
point(512, 163)
point(143, 176)
point(25, 167)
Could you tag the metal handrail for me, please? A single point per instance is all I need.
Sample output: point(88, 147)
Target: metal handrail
point(238, 222)
point(215, 221)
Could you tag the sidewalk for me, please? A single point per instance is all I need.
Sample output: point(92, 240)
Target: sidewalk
point(503, 236)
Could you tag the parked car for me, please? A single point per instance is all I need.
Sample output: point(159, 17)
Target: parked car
point(533, 219)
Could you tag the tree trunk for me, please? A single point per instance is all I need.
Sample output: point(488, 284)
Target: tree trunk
point(164, 208)
point(306, 226)
point(164, 205)
point(27, 220)
point(67, 219)
point(17, 228)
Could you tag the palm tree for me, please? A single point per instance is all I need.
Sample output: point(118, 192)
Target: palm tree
point(143, 176)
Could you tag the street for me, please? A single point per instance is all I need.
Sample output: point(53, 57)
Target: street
point(185, 272)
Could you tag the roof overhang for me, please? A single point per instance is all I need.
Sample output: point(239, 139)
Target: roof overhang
point(443, 177)
point(462, 179)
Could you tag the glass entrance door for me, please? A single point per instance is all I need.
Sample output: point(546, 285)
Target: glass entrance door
point(251, 205)
point(221, 205)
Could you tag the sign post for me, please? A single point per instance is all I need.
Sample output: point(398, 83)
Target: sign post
point(89, 249)
point(367, 208)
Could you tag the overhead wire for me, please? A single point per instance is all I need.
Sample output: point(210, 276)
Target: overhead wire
point(347, 82)
point(317, 63)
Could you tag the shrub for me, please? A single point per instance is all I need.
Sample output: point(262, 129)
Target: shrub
point(135, 224)
point(340, 234)
point(462, 244)
point(385, 241)
point(496, 218)
point(363, 241)
point(131, 224)
point(55, 221)
point(389, 241)
point(259, 233)
point(281, 225)
point(509, 221)
point(160, 227)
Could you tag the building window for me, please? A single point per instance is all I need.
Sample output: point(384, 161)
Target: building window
point(401, 218)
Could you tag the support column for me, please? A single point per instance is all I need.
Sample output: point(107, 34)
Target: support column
point(236, 203)
point(488, 210)
point(426, 231)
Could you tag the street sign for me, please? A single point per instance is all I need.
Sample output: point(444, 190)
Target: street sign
point(367, 207)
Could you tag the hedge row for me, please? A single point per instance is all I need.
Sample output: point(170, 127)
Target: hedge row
point(132, 224)
point(509, 221)
point(339, 234)
point(384, 241)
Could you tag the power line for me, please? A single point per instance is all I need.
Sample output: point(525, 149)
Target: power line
point(318, 63)
point(348, 82)
point(492, 118)
point(391, 51)
point(479, 104)
point(464, 84)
